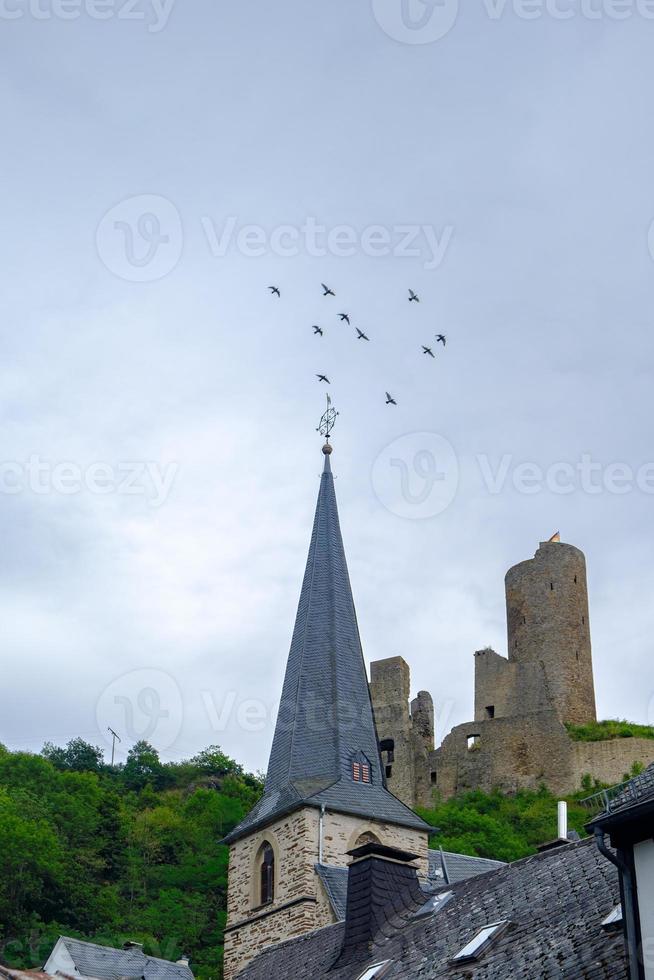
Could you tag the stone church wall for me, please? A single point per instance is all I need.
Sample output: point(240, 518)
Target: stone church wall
point(300, 902)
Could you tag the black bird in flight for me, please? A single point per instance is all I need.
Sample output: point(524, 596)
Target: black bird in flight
point(275, 291)
point(361, 334)
point(427, 350)
point(317, 329)
point(413, 298)
point(390, 400)
point(327, 291)
point(346, 317)
point(323, 377)
point(440, 339)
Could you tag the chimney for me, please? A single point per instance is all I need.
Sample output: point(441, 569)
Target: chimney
point(382, 888)
point(131, 944)
point(563, 837)
point(183, 961)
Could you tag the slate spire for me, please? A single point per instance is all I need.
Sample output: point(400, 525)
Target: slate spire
point(325, 720)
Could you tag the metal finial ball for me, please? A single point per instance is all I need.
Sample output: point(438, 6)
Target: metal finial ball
point(327, 449)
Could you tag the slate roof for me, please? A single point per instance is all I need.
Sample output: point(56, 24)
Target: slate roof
point(325, 714)
point(445, 866)
point(636, 790)
point(555, 901)
point(459, 867)
point(107, 963)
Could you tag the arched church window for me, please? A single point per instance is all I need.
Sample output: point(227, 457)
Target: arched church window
point(367, 838)
point(267, 872)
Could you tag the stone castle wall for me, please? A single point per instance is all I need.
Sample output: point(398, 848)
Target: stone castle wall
point(548, 624)
point(522, 702)
point(300, 904)
point(528, 751)
point(406, 732)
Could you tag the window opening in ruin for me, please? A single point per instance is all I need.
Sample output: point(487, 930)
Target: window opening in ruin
point(490, 710)
point(473, 742)
point(387, 749)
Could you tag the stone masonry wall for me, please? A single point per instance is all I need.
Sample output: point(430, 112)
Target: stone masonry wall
point(527, 751)
point(343, 831)
point(251, 928)
point(548, 623)
point(410, 730)
point(612, 760)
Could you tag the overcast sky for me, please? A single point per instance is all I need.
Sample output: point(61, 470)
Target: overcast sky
point(162, 166)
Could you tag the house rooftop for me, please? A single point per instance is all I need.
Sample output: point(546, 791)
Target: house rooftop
point(106, 963)
point(550, 907)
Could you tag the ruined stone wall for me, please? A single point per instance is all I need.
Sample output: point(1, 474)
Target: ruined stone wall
point(529, 750)
point(408, 729)
point(300, 904)
point(506, 753)
point(612, 760)
point(518, 739)
point(505, 688)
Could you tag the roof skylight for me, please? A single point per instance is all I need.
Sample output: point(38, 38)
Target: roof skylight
point(433, 904)
point(376, 971)
point(478, 945)
point(613, 919)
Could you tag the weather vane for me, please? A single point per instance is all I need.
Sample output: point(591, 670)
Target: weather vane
point(328, 421)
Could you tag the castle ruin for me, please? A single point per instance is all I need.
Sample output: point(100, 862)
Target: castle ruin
point(518, 739)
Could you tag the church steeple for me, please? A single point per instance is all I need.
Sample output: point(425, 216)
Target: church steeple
point(325, 749)
point(325, 790)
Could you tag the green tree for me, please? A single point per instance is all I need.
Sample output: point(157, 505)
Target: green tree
point(78, 756)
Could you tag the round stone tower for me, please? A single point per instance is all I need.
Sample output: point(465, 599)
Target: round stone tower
point(547, 617)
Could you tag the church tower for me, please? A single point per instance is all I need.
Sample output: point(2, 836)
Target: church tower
point(325, 790)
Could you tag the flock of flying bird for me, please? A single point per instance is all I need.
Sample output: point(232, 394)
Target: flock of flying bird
point(345, 318)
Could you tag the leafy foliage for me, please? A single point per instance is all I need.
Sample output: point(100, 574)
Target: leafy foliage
point(108, 854)
point(601, 731)
point(505, 828)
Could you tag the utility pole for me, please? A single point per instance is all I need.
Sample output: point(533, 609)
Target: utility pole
point(113, 743)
